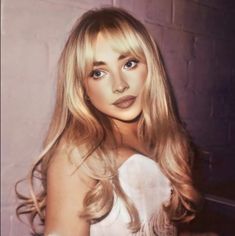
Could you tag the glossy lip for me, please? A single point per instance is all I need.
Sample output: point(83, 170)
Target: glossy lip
point(125, 102)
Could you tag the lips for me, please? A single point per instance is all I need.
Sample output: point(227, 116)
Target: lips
point(125, 102)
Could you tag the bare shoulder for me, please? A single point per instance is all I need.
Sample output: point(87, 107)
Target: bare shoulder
point(67, 185)
point(66, 161)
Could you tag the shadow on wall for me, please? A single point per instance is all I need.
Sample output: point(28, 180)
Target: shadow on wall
point(198, 49)
point(216, 219)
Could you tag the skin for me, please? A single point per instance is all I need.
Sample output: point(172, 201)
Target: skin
point(65, 198)
point(118, 76)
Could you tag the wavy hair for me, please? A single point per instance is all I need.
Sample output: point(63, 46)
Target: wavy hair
point(76, 124)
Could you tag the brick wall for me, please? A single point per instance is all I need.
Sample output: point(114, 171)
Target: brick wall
point(195, 38)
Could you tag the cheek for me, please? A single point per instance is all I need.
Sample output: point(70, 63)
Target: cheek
point(97, 93)
point(138, 80)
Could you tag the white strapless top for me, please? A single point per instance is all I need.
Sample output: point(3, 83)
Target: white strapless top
point(145, 184)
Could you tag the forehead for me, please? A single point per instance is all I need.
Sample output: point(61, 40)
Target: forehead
point(102, 45)
point(105, 49)
point(107, 45)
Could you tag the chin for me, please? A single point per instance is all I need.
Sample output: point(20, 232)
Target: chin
point(129, 118)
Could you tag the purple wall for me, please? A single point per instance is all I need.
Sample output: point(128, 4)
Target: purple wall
point(196, 38)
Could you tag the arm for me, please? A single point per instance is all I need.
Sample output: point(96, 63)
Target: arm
point(66, 189)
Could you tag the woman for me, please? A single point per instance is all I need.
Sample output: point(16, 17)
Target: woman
point(116, 160)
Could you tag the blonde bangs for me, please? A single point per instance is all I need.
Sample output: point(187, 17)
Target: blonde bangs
point(125, 41)
point(122, 38)
point(85, 54)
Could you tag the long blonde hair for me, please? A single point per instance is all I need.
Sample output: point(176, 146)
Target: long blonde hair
point(78, 124)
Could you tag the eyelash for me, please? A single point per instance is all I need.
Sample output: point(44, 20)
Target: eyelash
point(92, 74)
point(135, 61)
point(132, 60)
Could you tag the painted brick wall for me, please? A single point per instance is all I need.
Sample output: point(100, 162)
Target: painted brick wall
point(196, 38)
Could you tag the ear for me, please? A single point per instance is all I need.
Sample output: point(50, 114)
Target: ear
point(86, 97)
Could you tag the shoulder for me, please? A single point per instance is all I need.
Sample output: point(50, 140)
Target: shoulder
point(66, 162)
point(67, 186)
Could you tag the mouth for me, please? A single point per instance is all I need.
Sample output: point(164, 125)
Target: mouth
point(125, 102)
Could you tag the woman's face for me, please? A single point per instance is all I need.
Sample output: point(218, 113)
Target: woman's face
point(115, 84)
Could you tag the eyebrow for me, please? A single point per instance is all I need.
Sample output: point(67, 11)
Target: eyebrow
point(101, 63)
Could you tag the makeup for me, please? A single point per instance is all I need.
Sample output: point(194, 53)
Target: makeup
point(125, 102)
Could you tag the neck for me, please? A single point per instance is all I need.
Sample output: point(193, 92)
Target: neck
point(126, 136)
point(129, 129)
point(126, 128)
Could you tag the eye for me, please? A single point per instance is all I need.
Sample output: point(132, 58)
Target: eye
point(131, 64)
point(97, 74)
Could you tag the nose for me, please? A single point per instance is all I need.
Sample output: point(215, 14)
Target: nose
point(119, 84)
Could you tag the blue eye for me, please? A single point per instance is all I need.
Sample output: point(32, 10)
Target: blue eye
point(97, 74)
point(131, 64)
